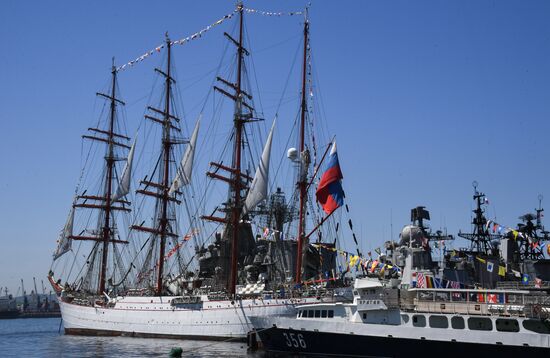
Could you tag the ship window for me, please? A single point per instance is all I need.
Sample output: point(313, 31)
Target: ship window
point(310, 313)
point(317, 313)
point(299, 313)
point(324, 314)
point(419, 321)
point(330, 313)
point(405, 318)
point(364, 316)
point(507, 325)
point(536, 326)
point(457, 322)
point(438, 322)
point(480, 324)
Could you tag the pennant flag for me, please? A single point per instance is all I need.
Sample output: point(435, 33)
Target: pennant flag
point(502, 270)
point(538, 282)
point(492, 298)
point(481, 260)
point(490, 266)
point(329, 192)
point(373, 267)
point(525, 279)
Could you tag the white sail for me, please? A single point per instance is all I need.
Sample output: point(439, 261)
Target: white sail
point(183, 176)
point(258, 188)
point(64, 243)
point(126, 178)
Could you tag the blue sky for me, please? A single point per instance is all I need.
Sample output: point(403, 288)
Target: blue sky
point(424, 97)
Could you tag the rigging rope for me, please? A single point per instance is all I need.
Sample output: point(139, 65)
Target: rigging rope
point(182, 41)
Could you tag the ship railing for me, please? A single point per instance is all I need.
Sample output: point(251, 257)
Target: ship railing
point(517, 285)
point(469, 301)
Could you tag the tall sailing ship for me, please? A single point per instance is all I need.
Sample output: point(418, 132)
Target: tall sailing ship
point(144, 280)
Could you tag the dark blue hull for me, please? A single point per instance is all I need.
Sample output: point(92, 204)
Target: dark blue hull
point(284, 342)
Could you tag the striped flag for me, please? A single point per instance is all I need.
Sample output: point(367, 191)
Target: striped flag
point(421, 280)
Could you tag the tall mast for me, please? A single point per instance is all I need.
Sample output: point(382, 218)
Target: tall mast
point(105, 202)
point(239, 96)
point(110, 161)
point(238, 123)
point(167, 144)
point(161, 190)
point(302, 180)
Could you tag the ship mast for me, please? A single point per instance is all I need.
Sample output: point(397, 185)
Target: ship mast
point(104, 237)
point(110, 161)
point(238, 123)
point(162, 188)
point(167, 144)
point(304, 162)
point(236, 185)
point(481, 237)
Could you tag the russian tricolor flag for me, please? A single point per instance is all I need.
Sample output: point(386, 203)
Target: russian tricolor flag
point(329, 192)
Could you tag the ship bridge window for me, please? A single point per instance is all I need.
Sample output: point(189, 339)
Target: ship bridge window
point(438, 322)
point(457, 322)
point(480, 324)
point(535, 325)
point(507, 325)
point(317, 313)
point(419, 321)
point(310, 313)
point(324, 314)
point(405, 318)
point(330, 313)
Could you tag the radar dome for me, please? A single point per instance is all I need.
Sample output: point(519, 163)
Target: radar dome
point(292, 154)
point(411, 233)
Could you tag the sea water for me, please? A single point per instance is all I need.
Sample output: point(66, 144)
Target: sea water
point(42, 337)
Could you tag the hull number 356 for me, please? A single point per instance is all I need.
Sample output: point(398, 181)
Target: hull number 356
point(295, 340)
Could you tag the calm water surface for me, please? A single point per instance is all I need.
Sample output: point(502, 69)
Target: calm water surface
point(40, 338)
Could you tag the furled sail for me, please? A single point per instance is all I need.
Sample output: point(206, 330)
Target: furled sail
point(125, 179)
point(64, 243)
point(258, 188)
point(183, 176)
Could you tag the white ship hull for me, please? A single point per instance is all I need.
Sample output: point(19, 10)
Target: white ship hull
point(159, 317)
